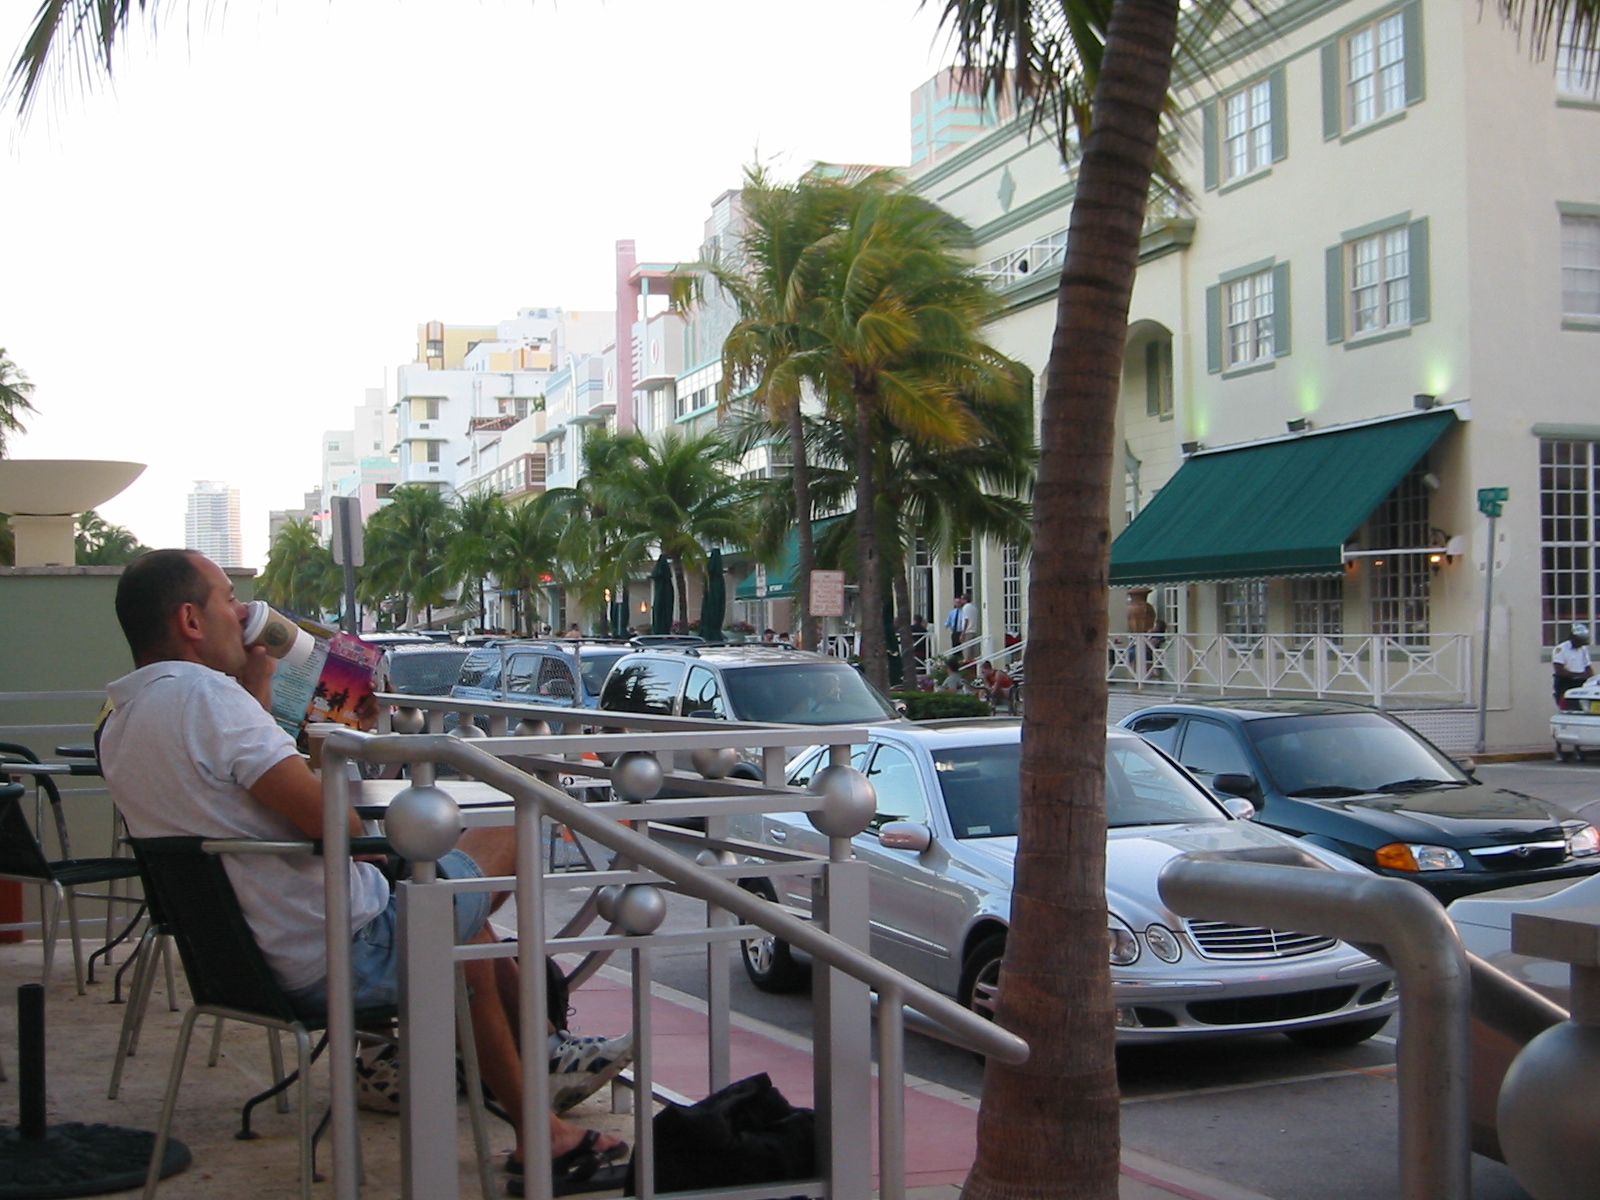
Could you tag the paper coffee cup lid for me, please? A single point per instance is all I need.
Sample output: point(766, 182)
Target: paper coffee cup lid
point(255, 620)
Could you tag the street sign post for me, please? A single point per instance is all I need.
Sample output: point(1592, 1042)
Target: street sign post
point(1491, 501)
point(349, 551)
point(827, 593)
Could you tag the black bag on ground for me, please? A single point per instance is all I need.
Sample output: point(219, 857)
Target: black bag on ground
point(745, 1134)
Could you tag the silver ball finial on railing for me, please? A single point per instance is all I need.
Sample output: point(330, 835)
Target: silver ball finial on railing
point(715, 858)
point(423, 823)
point(849, 801)
point(531, 728)
point(714, 762)
point(409, 720)
point(637, 776)
point(467, 728)
point(640, 909)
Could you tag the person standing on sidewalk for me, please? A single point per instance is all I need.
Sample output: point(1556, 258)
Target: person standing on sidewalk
point(1572, 663)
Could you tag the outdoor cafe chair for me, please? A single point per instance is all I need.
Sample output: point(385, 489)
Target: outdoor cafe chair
point(229, 979)
point(22, 858)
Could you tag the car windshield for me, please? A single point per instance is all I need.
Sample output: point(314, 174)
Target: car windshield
point(425, 672)
point(982, 788)
point(595, 668)
point(1347, 754)
point(805, 693)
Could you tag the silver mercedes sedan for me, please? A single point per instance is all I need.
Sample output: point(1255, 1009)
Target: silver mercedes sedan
point(941, 849)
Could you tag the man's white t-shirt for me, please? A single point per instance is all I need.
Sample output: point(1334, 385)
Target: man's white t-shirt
point(180, 750)
point(968, 620)
point(1573, 658)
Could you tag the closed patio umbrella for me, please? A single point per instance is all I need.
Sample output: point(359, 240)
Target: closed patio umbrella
point(714, 606)
point(661, 597)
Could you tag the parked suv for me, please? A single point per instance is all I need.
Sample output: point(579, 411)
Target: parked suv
point(744, 683)
point(545, 671)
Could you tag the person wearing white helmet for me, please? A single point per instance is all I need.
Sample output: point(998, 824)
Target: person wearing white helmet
point(1571, 661)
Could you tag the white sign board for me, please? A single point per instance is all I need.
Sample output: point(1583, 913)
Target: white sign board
point(347, 513)
point(827, 593)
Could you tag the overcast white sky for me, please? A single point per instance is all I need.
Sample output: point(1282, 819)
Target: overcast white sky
point(207, 261)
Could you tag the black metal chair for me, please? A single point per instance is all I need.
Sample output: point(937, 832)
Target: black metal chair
point(229, 979)
point(22, 858)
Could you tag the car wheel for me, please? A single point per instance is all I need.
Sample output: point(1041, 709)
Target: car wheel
point(980, 976)
point(768, 961)
point(1335, 1037)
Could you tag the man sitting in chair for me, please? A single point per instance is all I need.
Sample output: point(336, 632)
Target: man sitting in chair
point(190, 749)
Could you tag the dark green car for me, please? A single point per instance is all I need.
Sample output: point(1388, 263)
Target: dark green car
point(1357, 781)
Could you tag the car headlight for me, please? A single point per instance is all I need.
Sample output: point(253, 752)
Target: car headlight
point(1124, 946)
point(1402, 856)
point(1164, 943)
point(1582, 839)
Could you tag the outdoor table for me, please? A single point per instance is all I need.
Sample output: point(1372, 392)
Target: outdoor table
point(49, 768)
point(480, 804)
point(77, 750)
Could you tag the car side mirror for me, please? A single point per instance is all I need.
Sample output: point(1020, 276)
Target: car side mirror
point(1230, 784)
point(905, 835)
point(1239, 807)
point(1469, 768)
point(707, 714)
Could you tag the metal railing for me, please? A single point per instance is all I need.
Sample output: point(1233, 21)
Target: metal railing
point(1376, 668)
point(836, 938)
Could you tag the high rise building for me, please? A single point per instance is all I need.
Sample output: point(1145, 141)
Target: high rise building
point(212, 523)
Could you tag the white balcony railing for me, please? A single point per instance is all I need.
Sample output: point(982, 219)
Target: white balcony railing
point(1374, 668)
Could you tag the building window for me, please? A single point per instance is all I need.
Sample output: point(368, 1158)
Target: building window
point(1158, 377)
point(1398, 590)
point(1380, 281)
point(1130, 475)
point(1318, 606)
point(1243, 608)
point(435, 348)
point(433, 452)
point(922, 580)
point(1011, 588)
point(425, 408)
point(1249, 315)
point(963, 576)
point(1375, 71)
point(1577, 62)
point(1171, 607)
point(1247, 131)
point(1569, 492)
point(1580, 265)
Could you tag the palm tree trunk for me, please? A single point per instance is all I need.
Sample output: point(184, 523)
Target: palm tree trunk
point(874, 654)
point(681, 581)
point(1049, 1128)
point(806, 562)
point(902, 625)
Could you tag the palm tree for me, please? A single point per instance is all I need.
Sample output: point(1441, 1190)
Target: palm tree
point(781, 221)
point(102, 544)
point(477, 523)
point(898, 318)
point(407, 541)
point(527, 546)
point(301, 575)
point(673, 492)
point(15, 388)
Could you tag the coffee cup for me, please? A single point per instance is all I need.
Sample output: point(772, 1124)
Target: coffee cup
point(283, 639)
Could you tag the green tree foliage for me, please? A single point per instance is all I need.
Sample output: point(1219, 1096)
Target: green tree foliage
point(527, 550)
point(15, 388)
point(476, 530)
point(301, 576)
point(407, 542)
point(102, 544)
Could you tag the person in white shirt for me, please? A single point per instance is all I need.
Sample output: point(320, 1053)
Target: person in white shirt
point(1571, 662)
point(968, 627)
point(190, 749)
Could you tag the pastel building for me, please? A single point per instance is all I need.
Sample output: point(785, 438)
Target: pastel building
point(1384, 297)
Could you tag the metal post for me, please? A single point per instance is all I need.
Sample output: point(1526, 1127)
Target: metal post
point(427, 1059)
point(1488, 613)
point(891, 1096)
point(843, 1042)
point(341, 1014)
point(30, 1062)
point(532, 1009)
point(644, 1150)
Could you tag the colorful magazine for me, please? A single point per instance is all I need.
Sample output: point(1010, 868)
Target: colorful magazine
point(331, 685)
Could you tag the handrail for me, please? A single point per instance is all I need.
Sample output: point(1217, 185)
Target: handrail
point(535, 799)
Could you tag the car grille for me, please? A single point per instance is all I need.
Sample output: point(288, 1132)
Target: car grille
point(1258, 1010)
point(1532, 856)
point(1215, 939)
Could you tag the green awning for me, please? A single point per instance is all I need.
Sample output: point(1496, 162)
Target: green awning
point(780, 576)
point(1284, 507)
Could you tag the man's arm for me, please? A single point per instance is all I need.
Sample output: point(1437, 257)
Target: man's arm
point(291, 790)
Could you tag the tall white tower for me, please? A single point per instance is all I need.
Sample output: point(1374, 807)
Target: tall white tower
point(212, 524)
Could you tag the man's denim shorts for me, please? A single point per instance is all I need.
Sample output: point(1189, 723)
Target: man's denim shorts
point(375, 949)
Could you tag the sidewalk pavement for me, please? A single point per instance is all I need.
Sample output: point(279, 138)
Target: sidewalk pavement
point(941, 1123)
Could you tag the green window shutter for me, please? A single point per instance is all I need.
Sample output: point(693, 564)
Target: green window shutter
point(1421, 295)
point(1214, 328)
point(1280, 310)
point(1335, 296)
point(1280, 115)
point(1209, 143)
point(1331, 92)
point(1411, 17)
point(1152, 379)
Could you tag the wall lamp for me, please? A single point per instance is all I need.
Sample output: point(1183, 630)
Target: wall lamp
point(1423, 400)
point(1191, 447)
point(1299, 424)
